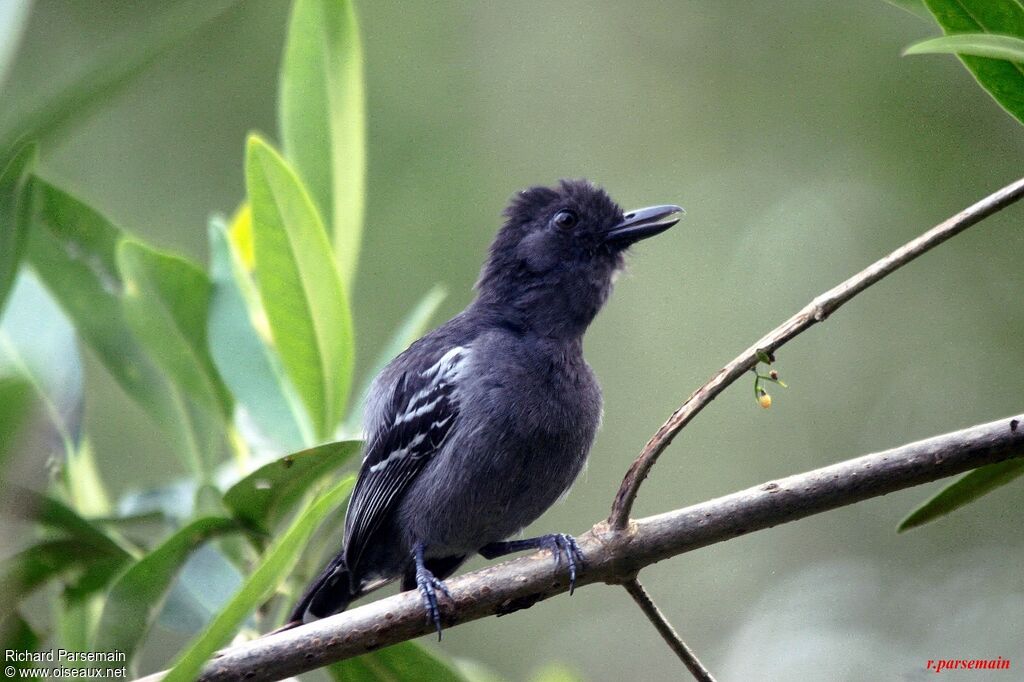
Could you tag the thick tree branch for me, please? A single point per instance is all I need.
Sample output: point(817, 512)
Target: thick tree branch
point(615, 556)
point(814, 312)
point(667, 632)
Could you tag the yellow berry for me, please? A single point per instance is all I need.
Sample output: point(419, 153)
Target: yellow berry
point(764, 400)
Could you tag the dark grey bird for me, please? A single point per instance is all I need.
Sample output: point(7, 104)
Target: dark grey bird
point(485, 422)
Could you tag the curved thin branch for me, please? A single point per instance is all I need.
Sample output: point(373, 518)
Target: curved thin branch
point(615, 556)
point(814, 312)
point(667, 632)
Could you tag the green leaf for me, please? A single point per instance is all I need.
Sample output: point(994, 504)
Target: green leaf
point(135, 601)
point(299, 284)
point(964, 491)
point(120, 63)
point(403, 662)
point(323, 120)
point(99, 556)
point(166, 303)
point(73, 249)
point(264, 497)
point(36, 565)
point(53, 513)
point(1003, 80)
point(95, 576)
point(273, 569)
point(249, 365)
point(15, 213)
point(976, 44)
point(412, 328)
point(15, 405)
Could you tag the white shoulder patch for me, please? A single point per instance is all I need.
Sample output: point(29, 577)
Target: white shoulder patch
point(449, 366)
point(430, 405)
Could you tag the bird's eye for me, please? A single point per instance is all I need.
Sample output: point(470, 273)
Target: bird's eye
point(565, 220)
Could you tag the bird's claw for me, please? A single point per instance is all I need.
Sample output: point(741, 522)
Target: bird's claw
point(563, 545)
point(429, 586)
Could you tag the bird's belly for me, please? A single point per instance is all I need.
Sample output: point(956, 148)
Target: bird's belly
point(513, 482)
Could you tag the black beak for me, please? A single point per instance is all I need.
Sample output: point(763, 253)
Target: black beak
point(643, 223)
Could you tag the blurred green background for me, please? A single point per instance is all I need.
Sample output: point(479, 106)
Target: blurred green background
point(803, 148)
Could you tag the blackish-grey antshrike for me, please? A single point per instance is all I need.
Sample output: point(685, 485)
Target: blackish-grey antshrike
point(481, 425)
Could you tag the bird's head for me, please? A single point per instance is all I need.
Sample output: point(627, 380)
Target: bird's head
point(552, 263)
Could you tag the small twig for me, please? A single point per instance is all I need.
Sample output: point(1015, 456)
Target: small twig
point(814, 312)
point(667, 632)
point(615, 556)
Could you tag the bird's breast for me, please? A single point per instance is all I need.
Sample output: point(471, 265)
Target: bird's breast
point(526, 425)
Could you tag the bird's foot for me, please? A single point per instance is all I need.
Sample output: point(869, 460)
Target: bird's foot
point(562, 545)
point(429, 586)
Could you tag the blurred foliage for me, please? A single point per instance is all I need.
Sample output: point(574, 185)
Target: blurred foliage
point(996, 59)
point(271, 571)
point(322, 118)
point(965, 490)
point(1003, 79)
point(123, 61)
point(1007, 48)
point(14, 201)
point(202, 354)
point(15, 402)
point(245, 367)
point(300, 286)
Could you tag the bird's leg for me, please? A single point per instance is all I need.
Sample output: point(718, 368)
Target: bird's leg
point(560, 544)
point(428, 586)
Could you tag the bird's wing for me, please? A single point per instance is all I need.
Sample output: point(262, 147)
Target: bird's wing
point(423, 408)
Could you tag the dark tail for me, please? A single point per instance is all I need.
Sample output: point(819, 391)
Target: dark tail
point(330, 593)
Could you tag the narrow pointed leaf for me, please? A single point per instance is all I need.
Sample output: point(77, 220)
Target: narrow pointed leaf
point(53, 513)
point(136, 598)
point(167, 304)
point(300, 287)
point(267, 495)
point(36, 565)
point(15, 213)
point(246, 361)
point(74, 250)
point(323, 121)
point(411, 328)
point(964, 491)
point(975, 44)
point(1003, 80)
point(277, 563)
point(405, 662)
